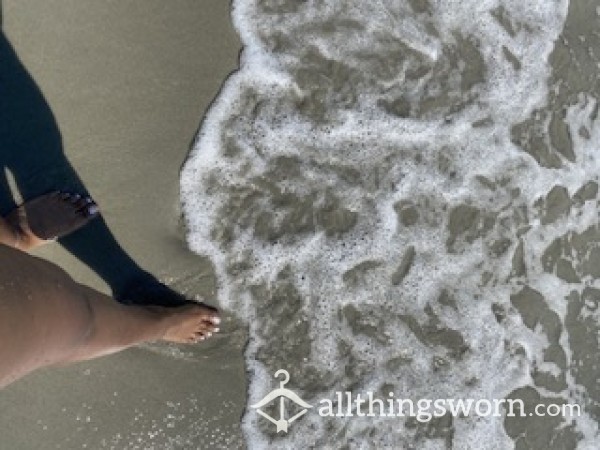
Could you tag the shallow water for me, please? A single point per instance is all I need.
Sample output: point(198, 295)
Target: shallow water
point(401, 196)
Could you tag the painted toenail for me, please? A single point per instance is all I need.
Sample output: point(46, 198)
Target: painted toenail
point(217, 330)
point(93, 209)
point(216, 320)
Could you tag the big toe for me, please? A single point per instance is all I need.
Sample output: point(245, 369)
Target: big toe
point(210, 317)
point(87, 208)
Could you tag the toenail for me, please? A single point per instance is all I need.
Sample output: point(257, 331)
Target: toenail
point(217, 330)
point(216, 320)
point(93, 209)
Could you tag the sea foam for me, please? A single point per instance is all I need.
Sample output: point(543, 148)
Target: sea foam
point(359, 191)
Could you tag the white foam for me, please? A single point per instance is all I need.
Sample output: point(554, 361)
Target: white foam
point(366, 138)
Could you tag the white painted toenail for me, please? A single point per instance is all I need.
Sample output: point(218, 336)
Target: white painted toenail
point(217, 330)
point(93, 209)
point(216, 320)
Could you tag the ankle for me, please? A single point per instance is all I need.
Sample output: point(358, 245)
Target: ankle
point(24, 239)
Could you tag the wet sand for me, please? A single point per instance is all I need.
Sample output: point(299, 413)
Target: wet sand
point(128, 83)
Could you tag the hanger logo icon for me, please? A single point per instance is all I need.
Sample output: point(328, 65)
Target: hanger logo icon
point(283, 395)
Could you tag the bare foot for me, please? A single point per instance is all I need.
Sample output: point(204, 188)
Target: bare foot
point(49, 217)
point(189, 324)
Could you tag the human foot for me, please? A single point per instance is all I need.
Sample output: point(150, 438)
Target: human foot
point(189, 324)
point(49, 217)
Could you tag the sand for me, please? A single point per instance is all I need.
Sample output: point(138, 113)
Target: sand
point(128, 83)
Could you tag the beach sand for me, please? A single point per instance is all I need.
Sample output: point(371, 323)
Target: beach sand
point(128, 83)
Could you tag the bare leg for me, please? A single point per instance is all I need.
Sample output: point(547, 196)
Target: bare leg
point(46, 318)
point(115, 327)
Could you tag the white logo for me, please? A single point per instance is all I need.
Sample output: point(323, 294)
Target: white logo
point(282, 393)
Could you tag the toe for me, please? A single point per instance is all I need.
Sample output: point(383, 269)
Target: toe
point(81, 203)
point(212, 328)
point(198, 337)
point(91, 210)
point(212, 317)
point(209, 315)
point(205, 328)
point(87, 207)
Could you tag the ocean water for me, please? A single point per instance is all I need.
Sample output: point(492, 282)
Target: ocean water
point(402, 196)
